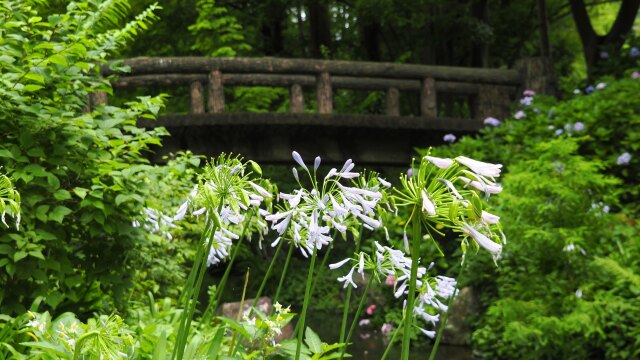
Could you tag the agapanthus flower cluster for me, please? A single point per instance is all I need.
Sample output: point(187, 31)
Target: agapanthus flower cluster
point(446, 190)
point(229, 198)
point(155, 222)
point(306, 217)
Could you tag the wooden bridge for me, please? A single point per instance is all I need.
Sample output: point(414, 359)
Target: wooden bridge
point(387, 138)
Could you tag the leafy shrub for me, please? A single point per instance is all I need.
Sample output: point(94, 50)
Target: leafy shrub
point(567, 283)
point(79, 171)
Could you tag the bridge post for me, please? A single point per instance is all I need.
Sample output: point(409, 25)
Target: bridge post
point(393, 102)
point(492, 100)
point(325, 94)
point(537, 75)
point(296, 99)
point(428, 105)
point(216, 92)
point(197, 101)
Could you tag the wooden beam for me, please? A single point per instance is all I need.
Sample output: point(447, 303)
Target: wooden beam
point(324, 93)
point(296, 99)
point(216, 92)
point(148, 65)
point(197, 98)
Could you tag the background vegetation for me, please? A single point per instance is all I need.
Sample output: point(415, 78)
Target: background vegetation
point(568, 283)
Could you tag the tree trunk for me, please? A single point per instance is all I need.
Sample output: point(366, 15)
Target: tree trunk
point(273, 42)
point(371, 40)
point(592, 43)
point(319, 21)
point(543, 17)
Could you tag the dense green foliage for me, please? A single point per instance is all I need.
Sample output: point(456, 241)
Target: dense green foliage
point(88, 223)
point(78, 170)
point(567, 285)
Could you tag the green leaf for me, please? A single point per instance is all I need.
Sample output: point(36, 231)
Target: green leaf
point(36, 254)
point(35, 77)
point(19, 255)
point(159, 353)
point(313, 341)
point(58, 59)
point(62, 194)
point(6, 249)
point(81, 192)
point(48, 347)
point(59, 213)
point(31, 88)
point(6, 153)
point(214, 348)
point(41, 212)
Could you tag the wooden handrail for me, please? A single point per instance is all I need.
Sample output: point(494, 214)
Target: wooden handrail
point(204, 65)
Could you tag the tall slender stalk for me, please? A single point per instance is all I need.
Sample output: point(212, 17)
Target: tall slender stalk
point(240, 311)
point(415, 256)
point(443, 323)
point(267, 274)
point(194, 282)
point(305, 304)
point(315, 279)
point(284, 273)
point(363, 299)
point(393, 339)
point(347, 299)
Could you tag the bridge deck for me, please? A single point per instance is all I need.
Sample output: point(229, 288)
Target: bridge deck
point(270, 137)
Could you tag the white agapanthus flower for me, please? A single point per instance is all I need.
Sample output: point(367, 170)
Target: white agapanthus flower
point(228, 196)
point(306, 217)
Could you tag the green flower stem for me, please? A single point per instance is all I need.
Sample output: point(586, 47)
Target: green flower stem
point(268, 273)
point(393, 339)
point(240, 311)
point(187, 294)
point(434, 350)
point(415, 256)
point(284, 272)
point(363, 299)
point(307, 295)
point(347, 299)
point(192, 288)
point(321, 268)
point(315, 279)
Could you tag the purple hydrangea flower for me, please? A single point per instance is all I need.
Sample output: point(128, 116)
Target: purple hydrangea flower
point(578, 126)
point(449, 138)
point(635, 75)
point(559, 132)
point(526, 101)
point(623, 159)
point(520, 114)
point(601, 86)
point(634, 52)
point(604, 55)
point(589, 89)
point(491, 121)
point(529, 93)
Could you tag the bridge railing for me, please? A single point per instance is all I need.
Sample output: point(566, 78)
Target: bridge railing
point(491, 90)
